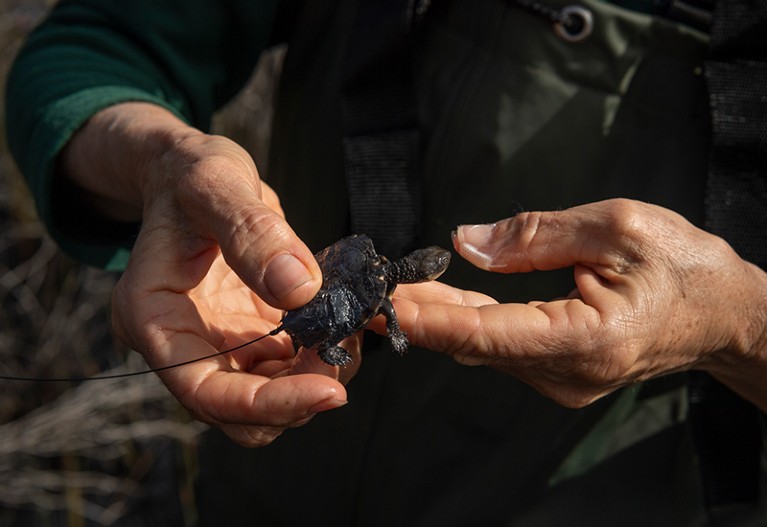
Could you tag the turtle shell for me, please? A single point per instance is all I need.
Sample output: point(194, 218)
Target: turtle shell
point(351, 294)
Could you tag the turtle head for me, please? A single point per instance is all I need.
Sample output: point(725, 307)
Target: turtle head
point(422, 265)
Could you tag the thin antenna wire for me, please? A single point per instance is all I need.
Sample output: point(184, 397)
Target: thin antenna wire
point(142, 372)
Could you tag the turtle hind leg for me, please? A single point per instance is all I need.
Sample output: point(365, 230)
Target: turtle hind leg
point(335, 356)
point(397, 337)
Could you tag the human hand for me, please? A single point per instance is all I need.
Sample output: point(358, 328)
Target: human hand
point(654, 295)
point(214, 265)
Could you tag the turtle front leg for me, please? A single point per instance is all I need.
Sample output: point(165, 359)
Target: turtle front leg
point(335, 356)
point(397, 337)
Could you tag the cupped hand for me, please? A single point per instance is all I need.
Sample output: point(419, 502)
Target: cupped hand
point(654, 295)
point(214, 265)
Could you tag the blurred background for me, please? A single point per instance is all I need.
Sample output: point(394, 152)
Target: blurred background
point(112, 452)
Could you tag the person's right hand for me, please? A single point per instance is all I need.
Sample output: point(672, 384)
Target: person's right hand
point(214, 265)
point(653, 295)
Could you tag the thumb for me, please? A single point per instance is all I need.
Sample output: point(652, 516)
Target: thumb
point(265, 252)
point(593, 235)
point(223, 196)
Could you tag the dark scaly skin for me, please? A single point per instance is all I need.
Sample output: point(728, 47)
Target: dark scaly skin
point(357, 285)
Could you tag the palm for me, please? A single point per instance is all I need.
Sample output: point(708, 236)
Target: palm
point(180, 300)
point(236, 314)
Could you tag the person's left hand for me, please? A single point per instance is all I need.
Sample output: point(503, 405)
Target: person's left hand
point(654, 295)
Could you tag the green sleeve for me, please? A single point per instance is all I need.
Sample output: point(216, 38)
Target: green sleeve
point(189, 56)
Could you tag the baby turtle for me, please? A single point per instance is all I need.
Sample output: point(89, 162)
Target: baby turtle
point(357, 285)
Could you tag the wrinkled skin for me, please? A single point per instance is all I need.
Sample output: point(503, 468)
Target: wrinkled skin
point(654, 295)
point(357, 285)
point(207, 222)
point(216, 263)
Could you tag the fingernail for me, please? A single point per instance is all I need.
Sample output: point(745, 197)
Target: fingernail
point(476, 235)
point(476, 243)
point(284, 274)
point(327, 404)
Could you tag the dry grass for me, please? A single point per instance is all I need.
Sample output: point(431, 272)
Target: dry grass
point(113, 452)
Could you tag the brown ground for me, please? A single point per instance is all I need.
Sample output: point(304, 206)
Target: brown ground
point(101, 453)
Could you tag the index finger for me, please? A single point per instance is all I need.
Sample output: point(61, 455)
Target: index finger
point(255, 240)
point(208, 188)
point(598, 234)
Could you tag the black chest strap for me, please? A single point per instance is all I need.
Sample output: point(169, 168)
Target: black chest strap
point(381, 140)
point(726, 428)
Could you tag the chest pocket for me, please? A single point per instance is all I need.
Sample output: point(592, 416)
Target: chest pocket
point(545, 123)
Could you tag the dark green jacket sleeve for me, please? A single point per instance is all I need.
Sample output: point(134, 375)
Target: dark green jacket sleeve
point(189, 56)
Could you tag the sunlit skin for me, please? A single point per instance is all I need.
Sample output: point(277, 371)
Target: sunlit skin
point(216, 263)
point(654, 295)
point(179, 299)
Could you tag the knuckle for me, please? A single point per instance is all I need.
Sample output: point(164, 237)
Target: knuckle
point(262, 225)
point(257, 228)
point(204, 172)
point(717, 250)
point(523, 229)
point(625, 218)
point(471, 347)
point(628, 223)
point(201, 176)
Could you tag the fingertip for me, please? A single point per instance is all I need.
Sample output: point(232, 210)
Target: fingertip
point(316, 392)
point(251, 400)
point(330, 403)
point(474, 244)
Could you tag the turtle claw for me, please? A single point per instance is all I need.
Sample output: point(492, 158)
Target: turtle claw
point(335, 356)
point(399, 342)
